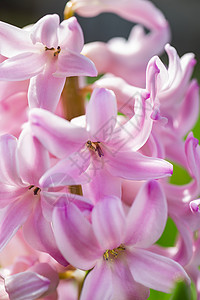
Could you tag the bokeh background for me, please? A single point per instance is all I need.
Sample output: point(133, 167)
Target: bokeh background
point(183, 16)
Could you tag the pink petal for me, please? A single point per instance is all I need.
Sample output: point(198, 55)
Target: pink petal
point(190, 109)
point(58, 135)
point(192, 151)
point(14, 216)
point(45, 90)
point(137, 11)
point(108, 220)
point(179, 72)
point(135, 166)
point(111, 186)
point(74, 64)
point(70, 35)
point(9, 193)
point(13, 40)
point(125, 93)
point(48, 271)
point(22, 66)
point(68, 171)
point(51, 199)
point(124, 286)
point(45, 31)
point(9, 89)
point(33, 158)
point(38, 233)
point(8, 163)
point(101, 114)
point(26, 285)
point(9, 111)
point(155, 271)
point(98, 284)
point(184, 246)
point(75, 237)
point(147, 217)
point(136, 131)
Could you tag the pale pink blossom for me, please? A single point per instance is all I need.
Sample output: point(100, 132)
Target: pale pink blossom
point(138, 11)
point(115, 246)
point(126, 58)
point(97, 141)
point(22, 202)
point(47, 53)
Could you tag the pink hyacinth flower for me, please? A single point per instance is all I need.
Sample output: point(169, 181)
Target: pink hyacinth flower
point(46, 53)
point(138, 11)
point(126, 58)
point(116, 246)
point(22, 164)
point(97, 141)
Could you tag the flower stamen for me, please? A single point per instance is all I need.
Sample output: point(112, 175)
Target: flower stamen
point(95, 147)
point(112, 254)
point(36, 189)
point(53, 49)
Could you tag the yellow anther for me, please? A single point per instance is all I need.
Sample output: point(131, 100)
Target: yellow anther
point(95, 147)
point(53, 49)
point(112, 254)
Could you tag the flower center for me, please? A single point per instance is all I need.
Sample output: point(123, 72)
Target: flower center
point(112, 254)
point(94, 146)
point(57, 51)
point(35, 189)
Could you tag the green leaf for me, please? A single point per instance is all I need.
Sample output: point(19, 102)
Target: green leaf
point(182, 291)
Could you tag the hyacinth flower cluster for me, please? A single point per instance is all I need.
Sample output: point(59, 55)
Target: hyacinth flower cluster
point(85, 190)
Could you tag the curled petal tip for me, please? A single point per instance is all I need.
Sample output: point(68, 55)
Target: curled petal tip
point(194, 206)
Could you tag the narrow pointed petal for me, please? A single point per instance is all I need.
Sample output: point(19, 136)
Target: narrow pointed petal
point(98, 284)
point(33, 158)
point(45, 31)
point(22, 66)
point(190, 109)
point(13, 40)
point(192, 150)
point(14, 216)
point(108, 220)
point(75, 237)
point(155, 271)
point(38, 233)
point(184, 246)
point(68, 171)
point(137, 130)
point(74, 64)
point(147, 216)
point(70, 35)
point(135, 166)
point(45, 90)
point(49, 272)
point(124, 286)
point(9, 193)
point(26, 285)
point(101, 114)
point(8, 165)
point(137, 11)
point(58, 135)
